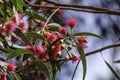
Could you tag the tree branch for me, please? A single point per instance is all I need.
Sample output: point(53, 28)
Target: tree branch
point(93, 52)
point(89, 9)
point(102, 49)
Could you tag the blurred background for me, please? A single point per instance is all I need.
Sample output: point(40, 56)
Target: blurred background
point(108, 26)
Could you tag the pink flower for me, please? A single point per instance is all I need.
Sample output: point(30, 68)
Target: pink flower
point(72, 22)
point(56, 49)
point(63, 30)
point(3, 78)
point(75, 58)
point(10, 27)
point(82, 41)
point(30, 48)
point(59, 13)
point(23, 25)
point(14, 18)
point(59, 35)
point(50, 37)
point(11, 67)
point(39, 49)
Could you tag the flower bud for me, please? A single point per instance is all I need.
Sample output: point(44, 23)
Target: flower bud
point(72, 22)
point(11, 67)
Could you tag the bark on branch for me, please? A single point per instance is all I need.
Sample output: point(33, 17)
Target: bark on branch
point(89, 9)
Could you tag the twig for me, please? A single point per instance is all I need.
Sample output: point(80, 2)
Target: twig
point(92, 52)
point(76, 6)
point(102, 49)
point(88, 9)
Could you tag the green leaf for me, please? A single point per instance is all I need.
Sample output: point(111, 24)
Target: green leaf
point(5, 50)
point(17, 76)
point(35, 35)
point(15, 53)
point(23, 37)
point(54, 25)
point(115, 74)
point(35, 15)
point(42, 68)
point(14, 2)
point(53, 28)
point(88, 34)
point(5, 12)
point(83, 58)
point(19, 4)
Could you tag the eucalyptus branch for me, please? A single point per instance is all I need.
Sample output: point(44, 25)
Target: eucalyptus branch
point(76, 6)
point(81, 8)
point(102, 49)
point(92, 52)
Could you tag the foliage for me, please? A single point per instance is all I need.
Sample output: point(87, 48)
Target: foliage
point(38, 40)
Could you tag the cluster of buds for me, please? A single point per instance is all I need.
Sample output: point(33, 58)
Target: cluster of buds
point(9, 68)
point(15, 22)
point(52, 46)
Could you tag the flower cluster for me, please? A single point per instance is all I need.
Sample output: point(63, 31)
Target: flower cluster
point(9, 68)
point(82, 41)
point(45, 45)
point(11, 26)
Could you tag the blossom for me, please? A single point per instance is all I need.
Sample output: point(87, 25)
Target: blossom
point(39, 49)
point(30, 48)
point(11, 67)
point(82, 40)
point(23, 25)
point(3, 77)
point(14, 18)
point(72, 23)
point(75, 58)
point(9, 27)
point(59, 13)
point(56, 49)
point(63, 30)
point(45, 57)
point(50, 37)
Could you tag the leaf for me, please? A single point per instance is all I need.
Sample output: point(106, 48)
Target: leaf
point(15, 53)
point(12, 45)
point(54, 25)
point(20, 4)
point(35, 35)
point(5, 50)
point(17, 76)
point(35, 15)
point(88, 34)
point(117, 61)
point(5, 12)
point(23, 37)
point(14, 2)
point(53, 28)
point(42, 68)
point(115, 74)
point(83, 58)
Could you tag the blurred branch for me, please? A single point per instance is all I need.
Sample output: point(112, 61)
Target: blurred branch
point(89, 9)
point(93, 52)
point(102, 49)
